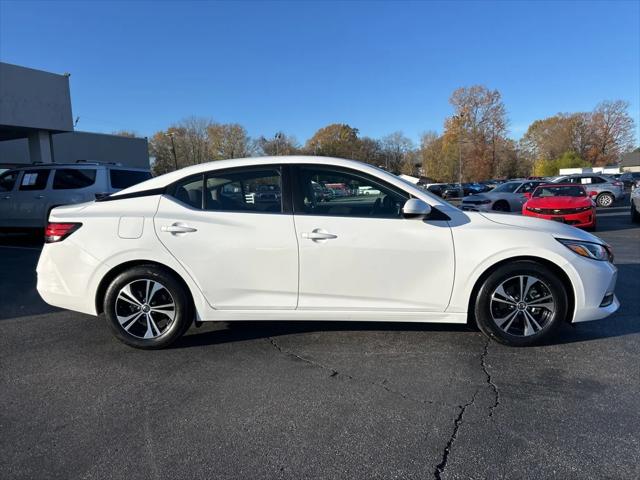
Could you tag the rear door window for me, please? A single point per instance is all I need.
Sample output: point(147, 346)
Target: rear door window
point(69, 178)
point(244, 190)
point(34, 179)
point(126, 178)
point(8, 180)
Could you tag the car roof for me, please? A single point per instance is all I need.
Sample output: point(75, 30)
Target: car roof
point(34, 166)
point(551, 184)
point(167, 179)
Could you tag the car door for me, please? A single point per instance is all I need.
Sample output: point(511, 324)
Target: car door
point(236, 242)
point(29, 200)
point(357, 252)
point(8, 182)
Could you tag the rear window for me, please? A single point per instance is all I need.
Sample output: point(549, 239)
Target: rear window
point(126, 178)
point(69, 178)
point(34, 179)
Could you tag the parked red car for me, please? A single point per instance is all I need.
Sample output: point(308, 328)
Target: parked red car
point(562, 202)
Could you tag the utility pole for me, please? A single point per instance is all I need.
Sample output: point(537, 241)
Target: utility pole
point(460, 120)
point(173, 148)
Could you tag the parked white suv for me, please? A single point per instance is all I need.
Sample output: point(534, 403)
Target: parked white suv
point(27, 194)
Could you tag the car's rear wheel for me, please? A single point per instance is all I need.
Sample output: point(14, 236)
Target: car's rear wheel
point(520, 303)
point(146, 307)
point(605, 200)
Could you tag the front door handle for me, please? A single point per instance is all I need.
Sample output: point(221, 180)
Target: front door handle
point(6, 197)
point(318, 235)
point(39, 197)
point(178, 228)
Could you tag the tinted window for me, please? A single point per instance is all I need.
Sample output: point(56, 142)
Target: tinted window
point(509, 187)
point(345, 194)
point(528, 187)
point(189, 191)
point(34, 179)
point(8, 180)
point(254, 190)
point(67, 178)
point(126, 178)
point(561, 191)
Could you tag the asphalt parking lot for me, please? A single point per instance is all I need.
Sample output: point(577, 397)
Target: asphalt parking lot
point(317, 400)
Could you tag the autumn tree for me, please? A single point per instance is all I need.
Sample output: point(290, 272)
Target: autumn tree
point(396, 151)
point(228, 140)
point(612, 130)
point(335, 140)
point(280, 144)
point(479, 125)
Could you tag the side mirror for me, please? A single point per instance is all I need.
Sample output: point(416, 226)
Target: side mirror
point(416, 208)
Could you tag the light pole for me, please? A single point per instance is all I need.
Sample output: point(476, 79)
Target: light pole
point(460, 120)
point(173, 148)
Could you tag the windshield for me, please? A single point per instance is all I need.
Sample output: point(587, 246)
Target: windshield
point(560, 191)
point(509, 187)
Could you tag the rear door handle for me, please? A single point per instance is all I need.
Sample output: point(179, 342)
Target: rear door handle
point(318, 234)
point(178, 228)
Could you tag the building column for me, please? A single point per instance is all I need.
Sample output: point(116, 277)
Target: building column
point(40, 150)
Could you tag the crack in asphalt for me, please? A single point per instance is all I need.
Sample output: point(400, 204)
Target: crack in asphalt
point(335, 373)
point(440, 468)
point(447, 449)
point(494, 387)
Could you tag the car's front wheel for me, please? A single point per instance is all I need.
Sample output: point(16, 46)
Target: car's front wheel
point(520, 303)
point(146, 307)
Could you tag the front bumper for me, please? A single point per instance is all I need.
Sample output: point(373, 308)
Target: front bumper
point(583, 219)
point(594, 281)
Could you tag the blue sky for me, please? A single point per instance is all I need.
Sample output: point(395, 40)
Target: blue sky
point(298, 66)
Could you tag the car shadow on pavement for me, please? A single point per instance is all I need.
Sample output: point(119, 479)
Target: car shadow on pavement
point(227, 332)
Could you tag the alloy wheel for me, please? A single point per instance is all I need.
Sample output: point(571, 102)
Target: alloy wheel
point(605, 200)
point(145, 308)
point(522, 305)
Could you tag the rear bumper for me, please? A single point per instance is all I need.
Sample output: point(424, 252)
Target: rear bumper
point(68, 277)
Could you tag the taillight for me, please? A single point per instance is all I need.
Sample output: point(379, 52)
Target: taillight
point(56, 232)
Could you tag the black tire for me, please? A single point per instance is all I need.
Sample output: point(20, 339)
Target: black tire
point(165, 328)
point(605, 200)
point(549, 284)
point(501, 206)
point(635, 216)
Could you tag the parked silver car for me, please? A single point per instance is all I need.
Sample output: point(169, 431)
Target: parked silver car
point(508, 197)
point(27, 194)
point(607, 190)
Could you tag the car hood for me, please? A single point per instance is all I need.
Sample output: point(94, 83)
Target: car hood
point(558, 230)
point(559, 202)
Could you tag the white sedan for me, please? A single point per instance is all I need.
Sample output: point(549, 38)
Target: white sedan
point(188, 247)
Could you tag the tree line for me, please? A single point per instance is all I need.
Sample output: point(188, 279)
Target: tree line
point(474, 144)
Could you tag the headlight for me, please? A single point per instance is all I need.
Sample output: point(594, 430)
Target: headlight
point(534, 209)
point(596, 251)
